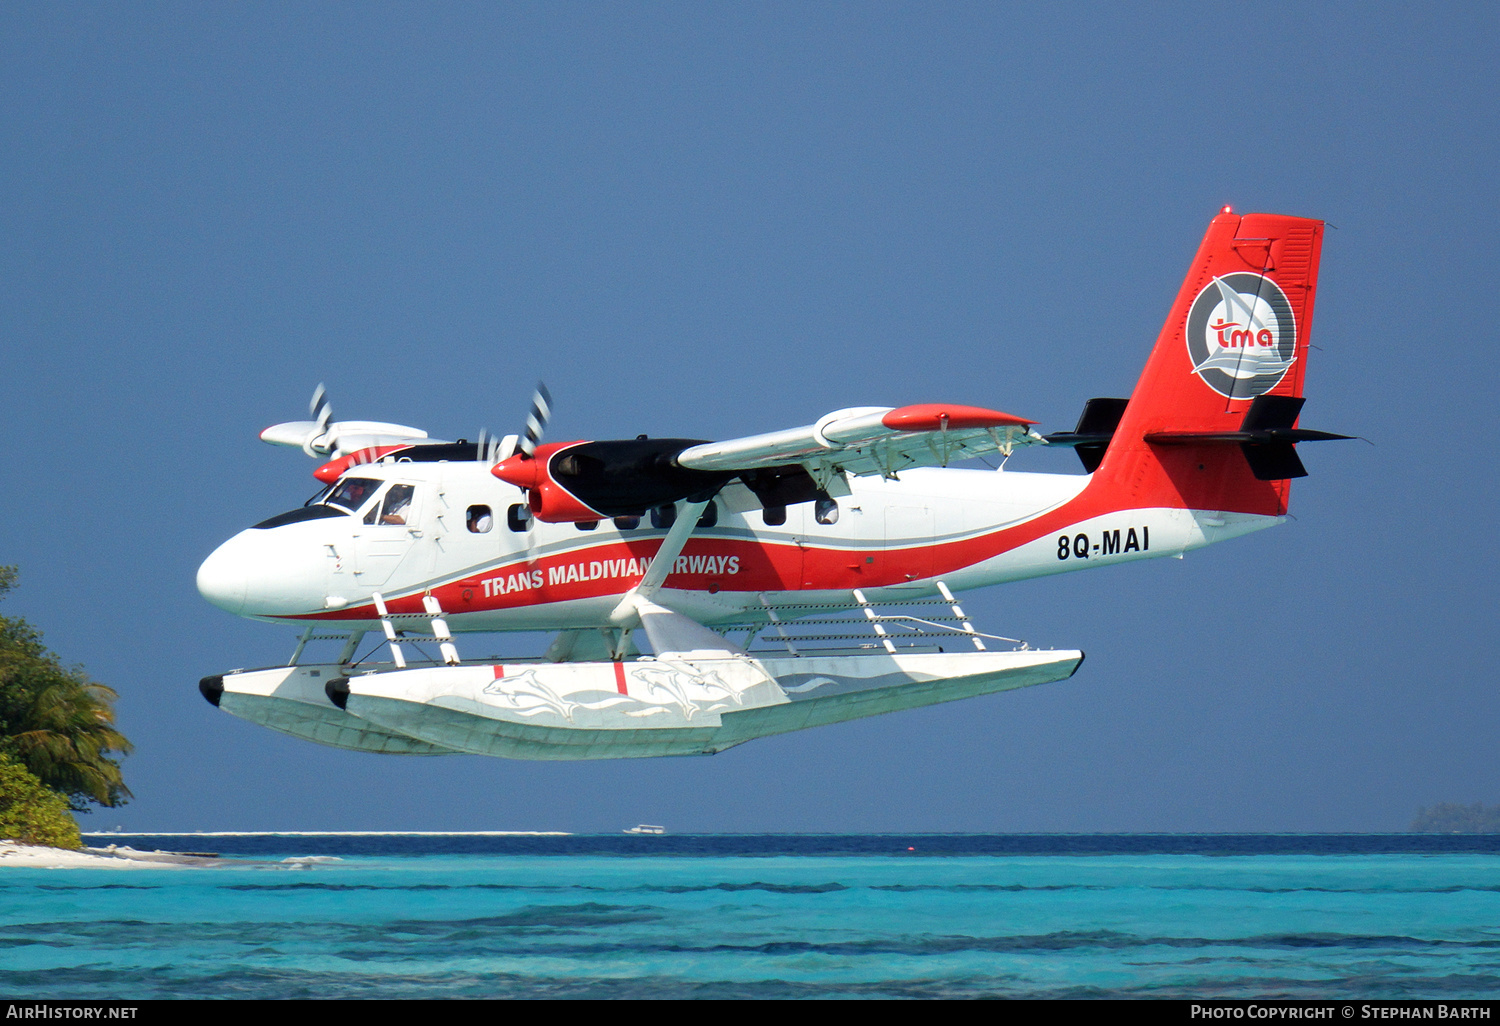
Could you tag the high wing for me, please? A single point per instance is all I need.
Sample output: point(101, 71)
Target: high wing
point(583, 481)
point(323, 436)
point(867, 440)
point(341, 438)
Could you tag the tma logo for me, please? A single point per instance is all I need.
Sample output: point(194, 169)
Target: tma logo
point(1241, 335)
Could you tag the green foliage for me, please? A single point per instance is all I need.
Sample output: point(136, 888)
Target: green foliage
point(56, 722)
point(31, 812)
point(1452, 818)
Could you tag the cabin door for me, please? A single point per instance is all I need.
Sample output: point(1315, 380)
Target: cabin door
point(908, 541)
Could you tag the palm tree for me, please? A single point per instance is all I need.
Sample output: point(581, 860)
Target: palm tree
point(54, 721)
point(71, 733)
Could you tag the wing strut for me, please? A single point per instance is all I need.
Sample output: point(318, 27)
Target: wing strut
point(688, 513)
point(667, 630)
point(390, 631)
point(440, 629)
point(880, 631)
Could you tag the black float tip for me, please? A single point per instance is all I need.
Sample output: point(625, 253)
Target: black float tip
point(337, 690)
point(212, 689)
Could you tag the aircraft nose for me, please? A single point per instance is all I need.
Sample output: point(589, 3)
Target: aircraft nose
point(265, 573)
point(223, 576)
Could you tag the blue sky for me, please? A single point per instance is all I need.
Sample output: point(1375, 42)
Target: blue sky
point(709, 220)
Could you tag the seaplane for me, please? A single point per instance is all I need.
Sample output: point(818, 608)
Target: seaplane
point(658, 565)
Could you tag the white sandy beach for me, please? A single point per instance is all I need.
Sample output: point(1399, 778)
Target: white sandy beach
point(112, 857)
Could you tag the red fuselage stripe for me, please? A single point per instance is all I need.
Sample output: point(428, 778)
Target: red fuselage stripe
point(747, 565)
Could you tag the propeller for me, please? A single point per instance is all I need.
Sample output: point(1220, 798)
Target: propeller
point(536, 425)
point(518, 467)
point(530, 538)
point(492, 448)
point(322, 412)
point(536, 420)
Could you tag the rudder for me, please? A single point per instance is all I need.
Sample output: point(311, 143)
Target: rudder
point(1238, 330)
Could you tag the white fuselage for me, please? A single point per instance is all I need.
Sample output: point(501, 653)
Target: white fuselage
point(463, 540)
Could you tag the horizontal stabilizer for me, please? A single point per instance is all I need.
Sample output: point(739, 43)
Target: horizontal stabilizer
point(1290, 435)
point(1095, 428)
point(1266, 436)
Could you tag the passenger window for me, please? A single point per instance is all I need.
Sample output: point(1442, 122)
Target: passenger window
point(773, 516)
point(826, 511)
point(478, 520)
point(663, 517)
point(517, 517)
point(586, 525)
point(710, 515)
point(627, 523)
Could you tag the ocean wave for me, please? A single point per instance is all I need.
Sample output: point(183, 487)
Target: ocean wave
point(303, 984)
point(867, 924)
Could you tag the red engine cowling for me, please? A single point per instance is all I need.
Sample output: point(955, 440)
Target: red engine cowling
point(549, 501)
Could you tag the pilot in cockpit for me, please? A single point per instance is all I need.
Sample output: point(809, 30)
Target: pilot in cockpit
point(397, 504)
point(352, 493)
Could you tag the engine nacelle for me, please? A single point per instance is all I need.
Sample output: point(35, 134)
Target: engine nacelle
point(548, 501)
point(568, 482)
point(551, 503)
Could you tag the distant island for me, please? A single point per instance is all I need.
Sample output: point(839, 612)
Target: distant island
point(1452, 818)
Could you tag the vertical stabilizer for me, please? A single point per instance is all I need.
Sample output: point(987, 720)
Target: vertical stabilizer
point(1238, 330)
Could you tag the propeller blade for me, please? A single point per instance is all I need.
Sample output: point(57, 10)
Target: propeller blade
point(320, 408)
point(536, 420)
point(530, 536)
point(493, 448)
point(322, 412)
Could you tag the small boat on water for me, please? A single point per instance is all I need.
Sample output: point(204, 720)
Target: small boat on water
point(646, 828)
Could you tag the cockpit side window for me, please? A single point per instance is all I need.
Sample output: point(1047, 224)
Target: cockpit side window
point(397, 508)
point(352, 493)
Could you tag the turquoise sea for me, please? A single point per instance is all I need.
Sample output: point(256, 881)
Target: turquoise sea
point(467, 916)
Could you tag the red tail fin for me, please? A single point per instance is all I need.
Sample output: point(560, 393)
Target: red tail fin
point(1238, 330)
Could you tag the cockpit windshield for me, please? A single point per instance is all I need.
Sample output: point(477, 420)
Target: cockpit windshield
point(351, 494)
